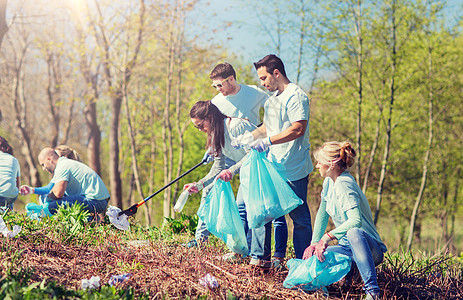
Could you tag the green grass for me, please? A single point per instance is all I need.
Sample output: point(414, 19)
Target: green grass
point(50, 257)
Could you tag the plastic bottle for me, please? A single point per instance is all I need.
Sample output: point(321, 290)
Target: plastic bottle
point(181, 201)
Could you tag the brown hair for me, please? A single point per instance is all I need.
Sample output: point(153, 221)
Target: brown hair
point(66, 151)
point(5, 147)
point(205, 110)
point(341, 154)
point(223, 70)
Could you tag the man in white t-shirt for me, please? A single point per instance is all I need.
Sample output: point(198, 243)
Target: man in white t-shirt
point(285, 135)
point(74, 182)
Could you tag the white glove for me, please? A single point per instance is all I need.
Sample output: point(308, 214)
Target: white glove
point(261, 145)
point(207, 158)
point(26, 190)
point(242, 140)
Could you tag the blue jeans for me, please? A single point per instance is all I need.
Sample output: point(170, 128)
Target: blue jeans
point(6, 202)
point(92, 206)
point(366, 253)
point(280, 230)
point(302, 235)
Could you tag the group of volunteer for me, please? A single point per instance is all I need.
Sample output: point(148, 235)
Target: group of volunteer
point(238, 143)
point(72, 182)
point(234, 133)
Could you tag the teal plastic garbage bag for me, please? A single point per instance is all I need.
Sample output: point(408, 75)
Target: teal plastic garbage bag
point(266, 192)
point(220, 213)
point(311, 274)
point(36, 211)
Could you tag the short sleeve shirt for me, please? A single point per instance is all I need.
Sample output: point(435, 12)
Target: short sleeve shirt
point(244, 104)
point(81, 179)
point(9, 172)
point(280, 112)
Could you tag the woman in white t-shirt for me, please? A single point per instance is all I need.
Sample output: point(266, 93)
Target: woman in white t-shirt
point(346, 204)
point(9, 176)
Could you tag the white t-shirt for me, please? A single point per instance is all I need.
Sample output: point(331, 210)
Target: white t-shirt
point(280, 112)
point(81, 179)
point(9, 172)
point(244, 104)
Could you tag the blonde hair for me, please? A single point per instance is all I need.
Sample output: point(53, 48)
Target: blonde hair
point(336, 153)
point(66, 151)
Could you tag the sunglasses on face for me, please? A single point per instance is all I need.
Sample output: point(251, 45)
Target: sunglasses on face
point(219, 85)
point(199, 126)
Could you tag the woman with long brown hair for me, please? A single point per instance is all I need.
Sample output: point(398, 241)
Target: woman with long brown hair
point(221, 132)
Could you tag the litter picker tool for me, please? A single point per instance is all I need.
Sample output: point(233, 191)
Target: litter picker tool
point(133, 209)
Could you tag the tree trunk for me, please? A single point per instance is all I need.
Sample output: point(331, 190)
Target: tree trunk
point(301, 42)
point(389, 119)
point(427, 155)
point(114, 173)
point(358, 133)
point(373, 150)
point(167, 129)
point(19, 107)
point(93, 136)
point(3, 25)
point(134, 156)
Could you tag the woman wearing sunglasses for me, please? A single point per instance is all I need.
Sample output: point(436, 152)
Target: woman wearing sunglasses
point(221, 131)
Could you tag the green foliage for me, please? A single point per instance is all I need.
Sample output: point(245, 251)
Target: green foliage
point(184, 224)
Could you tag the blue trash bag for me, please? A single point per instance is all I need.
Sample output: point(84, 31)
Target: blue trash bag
point(311, 274)
point(267, 195)
point(220, 213)
point(37, 211)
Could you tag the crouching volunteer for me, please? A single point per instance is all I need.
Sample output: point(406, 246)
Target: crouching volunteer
point(285, 135)
point(74, 182)
point(346, 204)
point(61, 150)
point(220, 131)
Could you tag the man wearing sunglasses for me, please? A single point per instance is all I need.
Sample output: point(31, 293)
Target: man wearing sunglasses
point(234, 99)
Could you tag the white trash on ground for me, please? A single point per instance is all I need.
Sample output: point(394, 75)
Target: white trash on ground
point(119, 222)
point(115, 279)
point(92, 283)
point(8, 233)
point(209, 281)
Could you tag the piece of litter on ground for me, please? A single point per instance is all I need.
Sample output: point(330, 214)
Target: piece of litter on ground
point(115, 279)
point(209, 281)
point(92, 283)
point(138, 243)
point(120, 222)
point(8, 233)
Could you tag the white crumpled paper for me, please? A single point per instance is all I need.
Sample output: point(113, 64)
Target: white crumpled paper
point(209, 281)
point(6, 232)
point(92, 283)
point(120, 222)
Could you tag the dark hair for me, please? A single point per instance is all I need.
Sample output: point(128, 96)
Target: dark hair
point(205, 110)
point(271, 62)
point(223, 70)
point(4, 146)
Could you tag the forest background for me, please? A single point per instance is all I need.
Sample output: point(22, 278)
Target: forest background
point(115, 80)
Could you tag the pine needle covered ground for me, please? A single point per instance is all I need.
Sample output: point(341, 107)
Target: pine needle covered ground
point(51, 257)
